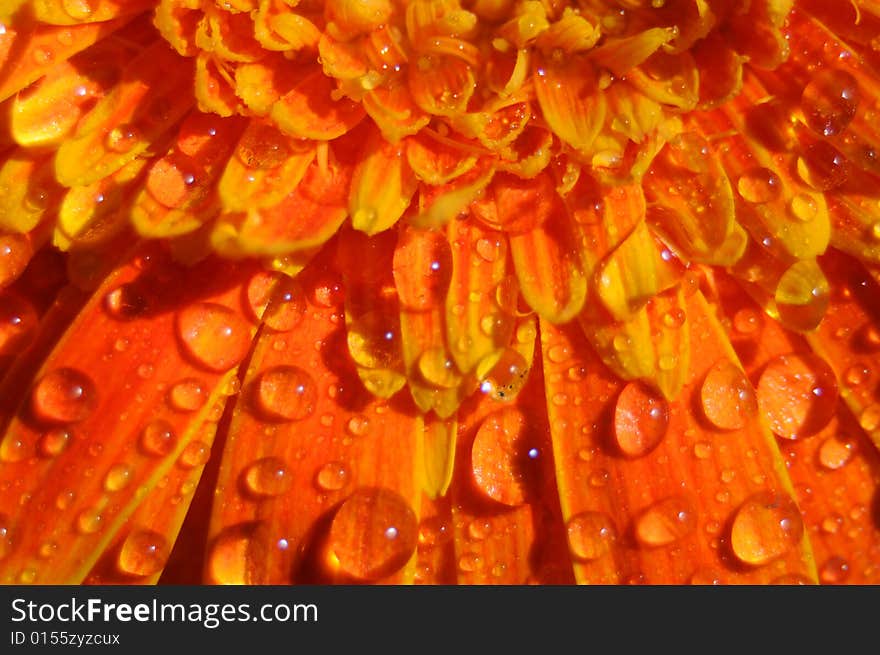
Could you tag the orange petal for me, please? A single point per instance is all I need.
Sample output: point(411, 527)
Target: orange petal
point(311, 111)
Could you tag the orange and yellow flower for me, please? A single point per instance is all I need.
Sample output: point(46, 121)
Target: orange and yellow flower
point(477, 291)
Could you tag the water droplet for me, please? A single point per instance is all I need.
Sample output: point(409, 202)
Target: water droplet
point(187, 395)
point(434, 531)
point(144, 552)
point(15, 253)
point(123, 138)
point(798, 395)
point(117, 477)
point(759, 185)
point(803, 207)
point(5, 535)
point(835, 452)
point(158, 438)
point(234, 553)
point(869, 419)
point(195, 454)
point(64, 395)
point(499, 456)
point(666, 522)
point(373, 534)
point(27, 576)
point(438, 369)
point(641, 418)
point(214, 335)
point(727, 396)
point(835, 570)
point(77, 9)
point(267, 477)
point(590, 535)
point(373, 340)
point(823, 167)
point(332, 476)
point(89, 521)
point(507, 377)
point(125, 302)
point(746, 321)
point(53, 442)
point(764, 527)
point(829, 101)
point(287, 305)
point(702, 450)
point(286, 393)
point(18, 320)
point(358, 425)
point(422, 268)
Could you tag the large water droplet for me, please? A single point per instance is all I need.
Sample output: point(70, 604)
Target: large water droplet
point(499, 456)
point(759, 185)
point(798, 395)
point(666, 521)
point(727, 396)
point(829, 101)
point(144, 552)
point(64, 395)
point(507, 377)
point(286, 393)
point(267, 477)
point(765, 526)
point(373, 340)
point(117, 477)
point(835, 452)
point(373, 534)
point(591, 535)
point(641, 418)
point(214, 335)
point(234, 554)
point(287, 306)
point(422, 268)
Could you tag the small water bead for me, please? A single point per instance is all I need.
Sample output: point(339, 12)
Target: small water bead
point(641, 419)
point(286, 393)
point(702, 450)
point(64, 499)
point(53, 442)
point(869, 419)
point(64, 395)
point(470, 562)
point(598, 478)
point(438, 369)
point(18, 320)
point(765, 526)
point(126, 302)
point(498, 456)
point(835, 570)
point(214, 335)
point(196, 453)
point(422, 268)
point(829, 102)
point(835, 452)
point(267, 477)
point(89, 521)
point(373, 534)
point(798, 394)
point(727, 397)
point(746, 321)
point(479, 529)
point(15, 253)
point(856, 375)
point(332, 476)
point(832, 524)
point(759, 185)
point(117, 477)
point(590, 535)
point(188, 395)
point(823, 167)
point(374, 340)
point(434, 531)
point(666, 522)
point(358, 425)
point(144, 552)
point(158, 438)
point(46, 551)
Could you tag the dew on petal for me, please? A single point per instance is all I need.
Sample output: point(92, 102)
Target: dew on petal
point(727, 397)
point(187, 395)
point(373, 534)
point(332, 476)
point(422, 268)
point(765, 526)
point(374, 340)
point(286, 393)
point(835, 452)
point(158, 438)
point(835, 570)
point(53, 442)
point(89, 521)
point(798, 395)
point(195, 454)
point(499, 455)
point(213, 335)
point(64, 395)
point(117, 477)
point(666, 522)
point(759, 185)
point(590, 535)
point(641, 418)
point(144, 552)
point(823, 167)
point(829, 102)
point(233, 554)
point(267, 477)
point(507, 377)
point(18, 320)
point(15, 253)
point(287, 306)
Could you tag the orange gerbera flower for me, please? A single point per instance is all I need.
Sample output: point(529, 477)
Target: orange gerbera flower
point(487, 291)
